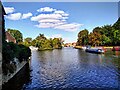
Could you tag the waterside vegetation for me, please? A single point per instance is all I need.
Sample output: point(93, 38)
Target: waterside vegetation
point(42, 43)
point(12, 51)
point(107, 35)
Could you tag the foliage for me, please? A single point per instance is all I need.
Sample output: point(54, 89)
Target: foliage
point(16, 34)
point(57, 43)
point(83, 37)
point(94, 39)
point(24, 53)
point(105, 35)
point(46, 44)
point(27, 41)
point(117, 24)
point(11, 51)
point(41, 37)
point(7, 53)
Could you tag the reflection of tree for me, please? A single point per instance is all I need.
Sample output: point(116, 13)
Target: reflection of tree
point(116, 59)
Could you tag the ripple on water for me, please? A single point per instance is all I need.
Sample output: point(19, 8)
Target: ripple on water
point(73, 69)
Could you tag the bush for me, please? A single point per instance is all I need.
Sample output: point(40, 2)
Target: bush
point(9, 52)
point(24, 53)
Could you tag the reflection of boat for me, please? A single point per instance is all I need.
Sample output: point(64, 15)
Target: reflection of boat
point(84, 48)
point(94, 50)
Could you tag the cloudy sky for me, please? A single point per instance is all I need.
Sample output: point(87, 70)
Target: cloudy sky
point(58, 19)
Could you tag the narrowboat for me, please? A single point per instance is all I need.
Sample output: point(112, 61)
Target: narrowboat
point(97, 51)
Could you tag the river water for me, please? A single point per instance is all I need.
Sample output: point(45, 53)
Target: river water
point(73, 69)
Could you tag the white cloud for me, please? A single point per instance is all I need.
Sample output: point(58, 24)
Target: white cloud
point(63, 26)
point(45, 25)
point(46, 9)
point(50, 20)
point(56, 19)
point(15, 16)
point(61, 12)
point(69, 27)
point(49, 24)
point(27, 15)
point(9, 10)
point(46, 16)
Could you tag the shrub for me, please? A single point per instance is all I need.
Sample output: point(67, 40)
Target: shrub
point(9, 52)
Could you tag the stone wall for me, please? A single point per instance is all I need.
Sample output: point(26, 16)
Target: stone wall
point(6, 78)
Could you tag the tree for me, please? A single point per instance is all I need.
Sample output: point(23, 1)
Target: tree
point(33, 43)
point(27, 41)
point(57, 43)
point(41, 37)
point(97, 30)
point(16, 34)
point(94, 39)
point(47, 44)
point(117, 24)
point(105, 40)
point(116, 37)
point(107, 30)
point(83, 37)
point(105, 35)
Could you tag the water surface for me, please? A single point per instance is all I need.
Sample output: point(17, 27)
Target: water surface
point(73, 68)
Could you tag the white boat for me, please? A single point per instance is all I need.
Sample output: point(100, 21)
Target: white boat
point(33, 48)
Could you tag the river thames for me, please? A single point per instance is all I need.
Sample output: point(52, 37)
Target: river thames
point(73, 69)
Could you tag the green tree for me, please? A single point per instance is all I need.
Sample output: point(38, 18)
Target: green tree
point(33, 43)
point(27, 41)
point(97, 30)
point(57, 43)
point(116, 25)
point(116, 37)
point(41, 37)
point(46, 44)
point(105, 40)
point(95, 39)
point(83, 37)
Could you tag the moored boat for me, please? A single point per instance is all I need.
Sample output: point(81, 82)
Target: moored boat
point(96, 50)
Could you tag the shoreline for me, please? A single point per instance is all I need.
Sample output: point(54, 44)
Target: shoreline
point(102, 47)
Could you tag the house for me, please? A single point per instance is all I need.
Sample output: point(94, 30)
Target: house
point(9, 37)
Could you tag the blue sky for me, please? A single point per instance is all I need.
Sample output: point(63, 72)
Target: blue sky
point(58, 19)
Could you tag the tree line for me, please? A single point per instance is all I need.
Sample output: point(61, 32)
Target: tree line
point(43, 43)
point(107, 35)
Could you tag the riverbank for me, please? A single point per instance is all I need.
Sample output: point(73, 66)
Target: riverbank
point(101, 47)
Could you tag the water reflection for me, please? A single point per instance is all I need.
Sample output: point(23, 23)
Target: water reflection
point(72, 68)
